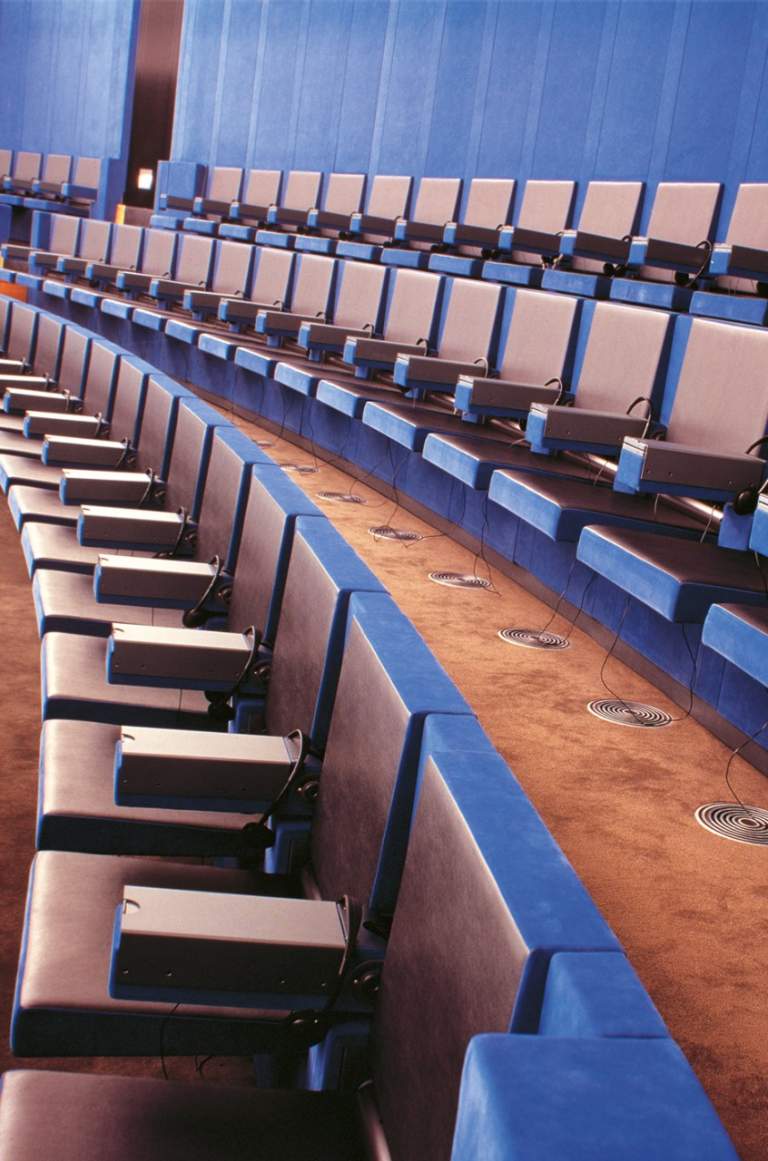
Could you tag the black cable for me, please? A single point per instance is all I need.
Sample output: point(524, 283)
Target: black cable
point(163, 1028)
point(219, 700)
point(251, 829)
point(734, 754)
point(183, 529)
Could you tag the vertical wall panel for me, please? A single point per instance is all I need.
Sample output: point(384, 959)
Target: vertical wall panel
point(531, 88)
point(67, 68)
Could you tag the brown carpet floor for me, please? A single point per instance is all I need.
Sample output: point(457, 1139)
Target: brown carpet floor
point(686, 905)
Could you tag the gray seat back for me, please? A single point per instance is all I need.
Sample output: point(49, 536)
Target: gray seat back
point(101, 377)
point(302, 189)
point(412, 306)
point(748, 227)
point(158, 426)
point(344, 192)
point(185, 478)
point(230, 467)
point(87, 172)
point(64, 234)
point(73, 367)
point(611, 209)
point(469, 326)
point(539, 337)
point(389, 194)
point(194, 261)
point(159, 253)
point(224, 183)
point(272, 280)
point(232, 274)
point(6, 159)
point(721, 399)
point(624, 357)
point(21, 334)
point(489, 202)
point(358, 302)
point(129, 396)
point(437, 201)
point(94, 240)
point(48, 345)
point(57, 168)
point(126, 247)
point(262, 187)
point(546, 206)
point(683, 211)
point(26, 166)
point(313, 285)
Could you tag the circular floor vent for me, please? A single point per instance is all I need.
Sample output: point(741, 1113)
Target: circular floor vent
point(300, 469)
point(341, 498)
point(629, 713)
point(386, 532)
point(534, 638)
point(459, 580)
point(729, 820)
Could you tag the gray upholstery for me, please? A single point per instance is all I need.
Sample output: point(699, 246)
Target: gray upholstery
point(36, 503)
point(412, 306)
point(56, 546)
point(48, 346)
point(22, 329)
point(546, 207)
point(623, 356)
point(470, 320)
point(67, 602)
point(109, 1118)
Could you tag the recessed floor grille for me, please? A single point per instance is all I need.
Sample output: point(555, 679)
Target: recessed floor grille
point(629, 713)
point(459, 580)
point(386, 532)
point(300, 469)
point(534, 638)
point(730, 820)
point(341, 498)
point(264, 442)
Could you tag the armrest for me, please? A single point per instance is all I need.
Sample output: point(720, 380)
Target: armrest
point(85, 193)
point(284, 215)
point(179, 658)
point(211, 206)
point(504, 397)
point(134, 280)
point(16, 250)
point(59, 450)
point(66, 423)
point(193, 769)
point(107, 486)
point(47, 187)
point(747, 258)
point(327, 220)
point(69, 265)
point(600, 246)
point(13, 367)
point(421, 370)
point(132, 580)
point(371, 224)
point(677, 469)
point(326, 336)
point(537, 241)
point(242, 309)
point(405, 231)
point(660, 252)
point(377, 352)
point(553, 428)
point(102, 270)
point(17, 400)
point(279, 322)
point(245, 211)
point(147, 530)
point(168, 288)
point(461, 234)
point(202, 299)
point(44, 258)
point(12, 379)
point(172, 202)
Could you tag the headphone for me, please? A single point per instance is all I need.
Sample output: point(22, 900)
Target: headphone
point(219, 709)
point(688, 280)
point(746, 500)
point(198, 615)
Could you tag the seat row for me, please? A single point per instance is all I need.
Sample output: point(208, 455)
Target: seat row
point(595, 385)
point(57, 182)
point(223, 677)
point(676, 253)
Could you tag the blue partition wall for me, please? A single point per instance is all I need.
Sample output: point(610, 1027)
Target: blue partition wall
point(68, 70)
point(525, 88)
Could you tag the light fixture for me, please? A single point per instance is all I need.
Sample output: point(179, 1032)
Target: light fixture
point(146, 179)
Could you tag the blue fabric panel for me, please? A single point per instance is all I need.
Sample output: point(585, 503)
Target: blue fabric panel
point(532, 1098)
point(166, 221)
point(182, 331)
point(664, 295)
point(362, 251)
point(117, 308)
point(236, 233)
point(758, 540)
point(200, 226)
point(412, 70)
point(410, 259)
point(7, 275)
point(398, 427)
point(730, 307)
point(56, 289)
point(596, 994)
point(250, 359)
point(343, 399)
point(573, 282)
point(450, 146)
point(149, 319)
point(367, 65)
point(83, 297)
point(734, 636)
point(510, 103)
point(214, 345)
point(297, 378)
point(32, 281)
point(456, 265)
point(312, 244)
point(512, 273)
point(273, 238)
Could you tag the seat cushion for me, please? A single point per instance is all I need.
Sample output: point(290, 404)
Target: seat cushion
point(474, 458)
point(56, 546)
point(678, 578)
point(75, 686)
point(15, 443)
point(65, 603)
point(560, 506)
point(109, 1118)
point(77, 809)
point(63, 1006)
point(15, 469)
point(740, 634)
point(40, 504)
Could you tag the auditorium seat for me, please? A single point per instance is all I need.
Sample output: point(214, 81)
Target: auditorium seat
point(437, 203)
point(739, 264)
point(222, 187)
point(610, 213)
point(544, 214)
point(676, 250)
point(61, 238)
point(232, 271)
point(85, 183)
point(158, 260)
point(19, 329)
point(262, 190)
point(311, 298)
point(271, 288)
point(194, 264)
point(93, 246)
point(301, 193)
point(124, 254)
point(389, 196)
point(55, 170)
point(342, 198)
point(25, 168)
point(488, 209)
point(147, 461)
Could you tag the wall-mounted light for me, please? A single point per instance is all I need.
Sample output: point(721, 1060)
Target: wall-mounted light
point(146, 179)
